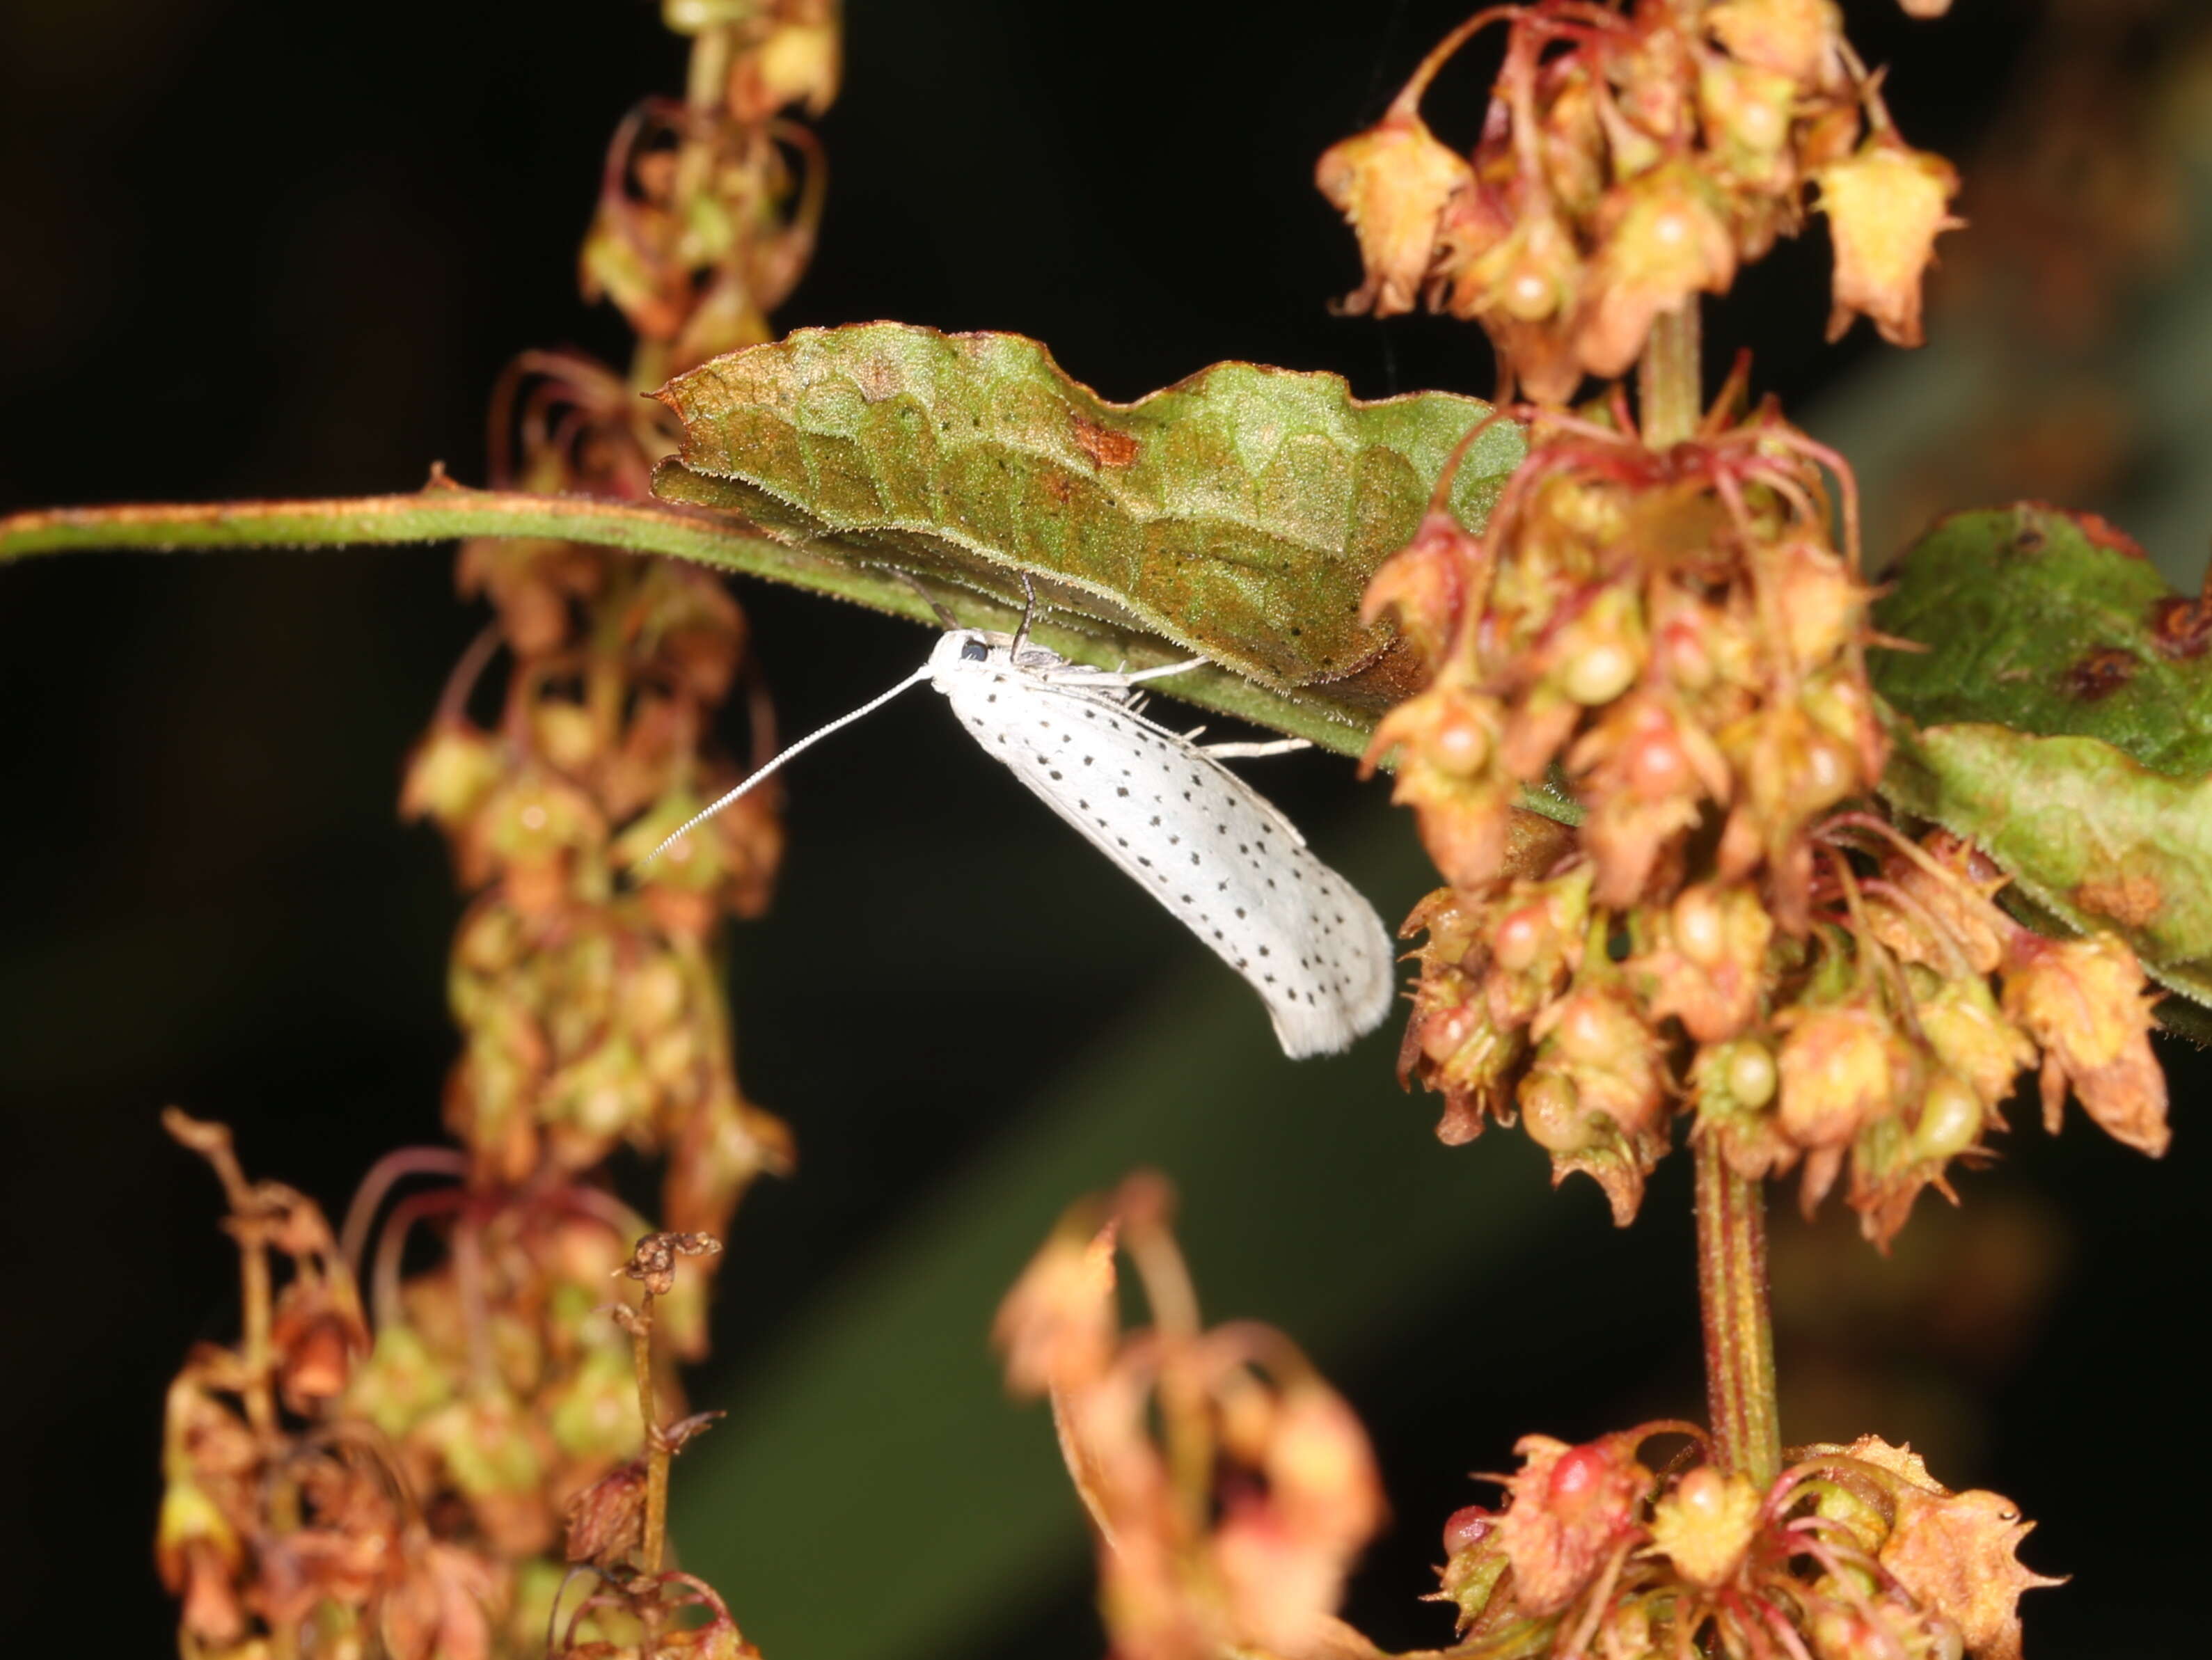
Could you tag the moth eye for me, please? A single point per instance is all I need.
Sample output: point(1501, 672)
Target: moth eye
point(974, 651)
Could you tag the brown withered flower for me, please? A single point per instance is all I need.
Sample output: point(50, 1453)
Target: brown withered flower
point(1230, 1487)
point(1632, 158)
point(1568, 1510)
point(2083, 1002)
point(1850, 1553)
point(1886, 206)
point(1392, 182)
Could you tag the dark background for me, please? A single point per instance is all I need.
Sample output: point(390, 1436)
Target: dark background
point(249, 248)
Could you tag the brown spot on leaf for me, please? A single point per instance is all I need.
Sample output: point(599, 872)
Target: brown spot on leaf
point(2131, 899)
point(1105, 447)
point(2179, 627)
point(2029, 538)
point(2100, 673)
point(2103, 533)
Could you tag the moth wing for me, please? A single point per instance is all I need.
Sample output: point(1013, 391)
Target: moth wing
point(1201, 841)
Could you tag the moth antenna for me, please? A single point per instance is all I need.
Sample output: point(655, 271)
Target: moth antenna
point(1029, 610)
point(945, 619)
point(763, 771)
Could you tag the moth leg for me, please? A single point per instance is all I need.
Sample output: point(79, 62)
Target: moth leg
point(1249, 751)
point(1163, 671)
point(945, 619)
point(1120, 676)
point(1029, 611)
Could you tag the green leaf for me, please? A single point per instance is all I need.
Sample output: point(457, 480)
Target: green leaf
point(2064, 711)
point(1237, 515)
point(2096, 838)
point(2051, 623)
point(444, 511)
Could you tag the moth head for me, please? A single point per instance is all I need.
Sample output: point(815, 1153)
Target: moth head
point(964, 648)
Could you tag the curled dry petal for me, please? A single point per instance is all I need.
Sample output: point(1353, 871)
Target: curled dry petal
point(606, 1521)
point(1453, 1048)
point(1843, 1068)
point(1534, 943)
point(1664, 237)
point(198, 1554)
point(1800, 39)
point(1835, 1072)
point(1285, 1556)
point(444, 1608)
point(1619, 1161)
point(1599, 1042)
point(1972, 1040)
point(1886, 206)
point(1823, 605)
point(1645, 771)
point(2084, 1001)
point(1571, 1505)
point(1057, 1326)
point(1707, 965)
point(1422, 585)
point(1447, 739)
point(1955, 1553)
point(1943, 916)
point(452, 768)
point(1529, 274)
point(1392, 182)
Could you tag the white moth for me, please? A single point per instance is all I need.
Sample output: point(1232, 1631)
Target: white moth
point(1194, 835)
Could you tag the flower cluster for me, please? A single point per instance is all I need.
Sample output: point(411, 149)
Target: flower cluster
point(703, 227)
point(1633, 155)
point(432, 1492)
point(1851, 1553)
point(387, 1500)
point(590, 1010)
point(1675, 637)
point(1230, 1487)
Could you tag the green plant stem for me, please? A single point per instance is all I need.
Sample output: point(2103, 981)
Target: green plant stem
point(1732, 1293)
point(1669, 391)
point(821, 565)
point(1732, 1296)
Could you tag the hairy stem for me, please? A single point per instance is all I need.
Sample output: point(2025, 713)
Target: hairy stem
point(655, 1540)
point(1739, 1330)
point(707, 536)
point(1731, 1211)
point(1669, 391)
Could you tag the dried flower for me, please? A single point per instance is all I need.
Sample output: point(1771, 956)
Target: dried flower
point(1886, 206)
point(2083, 1001)
point(1392, 182)
point(1705, 1523)
point(1570, 1508)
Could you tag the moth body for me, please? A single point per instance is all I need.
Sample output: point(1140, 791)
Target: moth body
point(1193, 835)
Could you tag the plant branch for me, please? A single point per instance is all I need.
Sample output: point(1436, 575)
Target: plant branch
point(1732, 1293)
point(1668, 386)
point(655, 1536)
point(822, 565)
point(1732, 1296)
